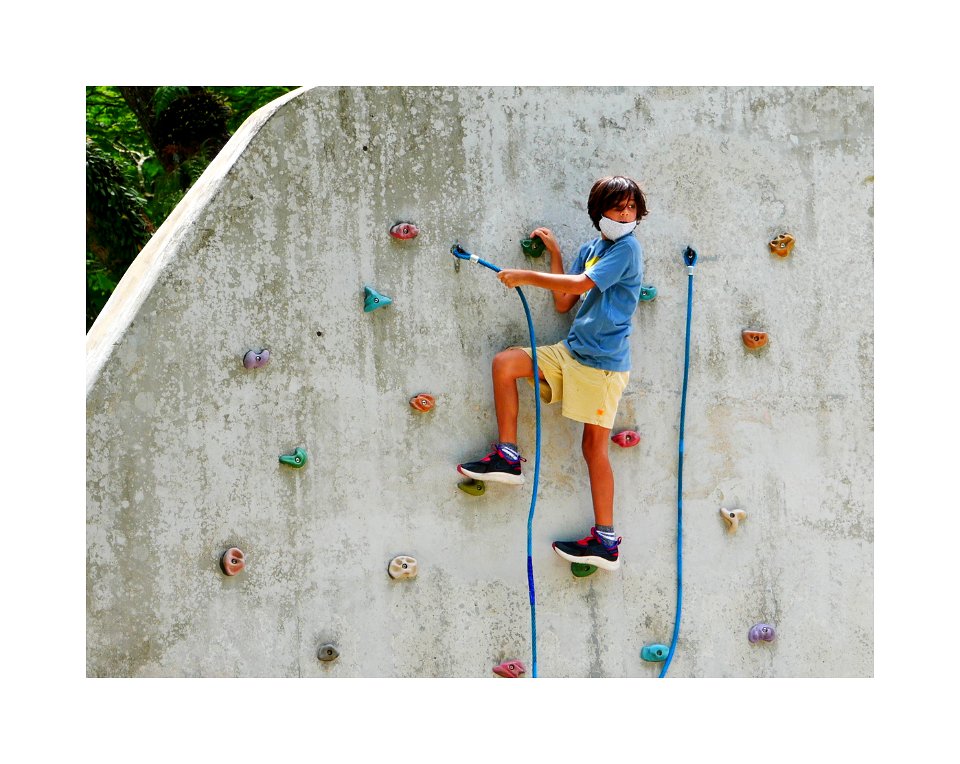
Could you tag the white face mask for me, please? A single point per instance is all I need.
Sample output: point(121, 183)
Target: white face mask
point(614, 230)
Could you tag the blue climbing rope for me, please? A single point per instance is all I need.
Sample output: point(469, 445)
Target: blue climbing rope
point(690, 257)
point(457, 251)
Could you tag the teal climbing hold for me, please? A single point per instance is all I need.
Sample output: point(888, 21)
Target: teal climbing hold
point(648, 293)
point(533, 247)
point(372, 300)
point(297, 459)
point(654, 653)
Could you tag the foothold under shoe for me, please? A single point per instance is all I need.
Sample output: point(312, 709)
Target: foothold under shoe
point(754, 339)
point(782, 245)
point(372, 300)
point(404, 231)
point(762, 632)
point(402, 567)
point(582, 570)
point(473, 487)
point(654, 653)
point(422, 402)
point(648, 293)
point(732, 518)
point(533, 247)
point(232, 561)
point(328, 652)
point(510, 669)
point(626, 439)
point(254, 359)
point(297, 459)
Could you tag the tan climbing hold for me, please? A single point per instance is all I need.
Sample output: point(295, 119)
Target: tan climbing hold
point(732, 517)
point(402, 567)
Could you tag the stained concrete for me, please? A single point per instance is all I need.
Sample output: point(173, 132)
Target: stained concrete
point(272, 248)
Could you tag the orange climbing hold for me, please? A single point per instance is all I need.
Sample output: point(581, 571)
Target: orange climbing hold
point(232, 561)
point(754, 339)
point(782, 245)
point(423, 402)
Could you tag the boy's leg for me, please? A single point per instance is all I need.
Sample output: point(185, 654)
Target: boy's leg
point(509, 366)
point(502, 465)
point(596, 453)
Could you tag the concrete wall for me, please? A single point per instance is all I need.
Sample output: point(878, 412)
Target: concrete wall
point(272, 248)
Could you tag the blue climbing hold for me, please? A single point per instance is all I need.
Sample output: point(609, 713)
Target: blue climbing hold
point(372, 300)
point(654, 653)
point(648, 293)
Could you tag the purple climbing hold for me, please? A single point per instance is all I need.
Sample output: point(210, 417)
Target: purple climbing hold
point(762, 632)
point(254, 359)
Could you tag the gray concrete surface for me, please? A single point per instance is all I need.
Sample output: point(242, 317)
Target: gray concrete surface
point(272, 248)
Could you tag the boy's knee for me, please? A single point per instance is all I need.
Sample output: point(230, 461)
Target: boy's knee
point(594, 445)
point(512, 363)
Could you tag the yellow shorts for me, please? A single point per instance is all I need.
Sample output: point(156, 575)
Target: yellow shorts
point(588, 395)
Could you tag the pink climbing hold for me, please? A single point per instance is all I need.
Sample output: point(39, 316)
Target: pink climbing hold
point(232, 561)
point(510, 669)
point(626, 439)
point(404, 231)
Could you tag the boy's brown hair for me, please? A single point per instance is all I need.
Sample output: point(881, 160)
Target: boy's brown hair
point(611, 192)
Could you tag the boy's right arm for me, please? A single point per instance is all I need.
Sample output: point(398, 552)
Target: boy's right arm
point(562, 301)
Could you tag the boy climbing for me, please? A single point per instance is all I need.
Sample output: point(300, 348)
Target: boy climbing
point(588, 370)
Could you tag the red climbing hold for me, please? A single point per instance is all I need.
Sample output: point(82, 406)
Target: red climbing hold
point(510, 669)
point(404, 231)
point(422, 402)
point(626, 439)
point(232, 561)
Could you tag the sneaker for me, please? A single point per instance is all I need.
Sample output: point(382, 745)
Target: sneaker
point(590, 551)
point(494, 467)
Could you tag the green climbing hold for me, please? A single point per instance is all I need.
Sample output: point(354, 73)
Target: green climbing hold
point(654, 653)
point(648, 293)
point(533, 247)
point(297, 459)
point(373, 299)
point(582, 570)
point(473, 487)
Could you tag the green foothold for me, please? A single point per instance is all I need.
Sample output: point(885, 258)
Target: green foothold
point(581, 570)
point(473, 487)
point(654, 653)
point(372, 300)
point(297, 459)
point(533, 247)
point(648, 293)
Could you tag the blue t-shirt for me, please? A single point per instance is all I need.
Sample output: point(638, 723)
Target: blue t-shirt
point(600, 335)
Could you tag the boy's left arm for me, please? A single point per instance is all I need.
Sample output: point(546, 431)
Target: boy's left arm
point(559, 282)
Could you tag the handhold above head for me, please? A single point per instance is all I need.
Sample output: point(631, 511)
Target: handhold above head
point(232, 561)
point(254, 359)
point(754, 339)
point(402, 567)
point(626, 439)
point(732, 517)
point(297, 459)
point(422, 402)
point(510, 669)
point(372, 299)
point(404, 231)
point(762, 632)
point(533, 246)
point(782, 245)
point(648, 293)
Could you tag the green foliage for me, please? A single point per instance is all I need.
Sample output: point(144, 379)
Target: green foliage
point(137, 174)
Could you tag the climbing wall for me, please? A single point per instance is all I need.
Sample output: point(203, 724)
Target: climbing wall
point(279, 248)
